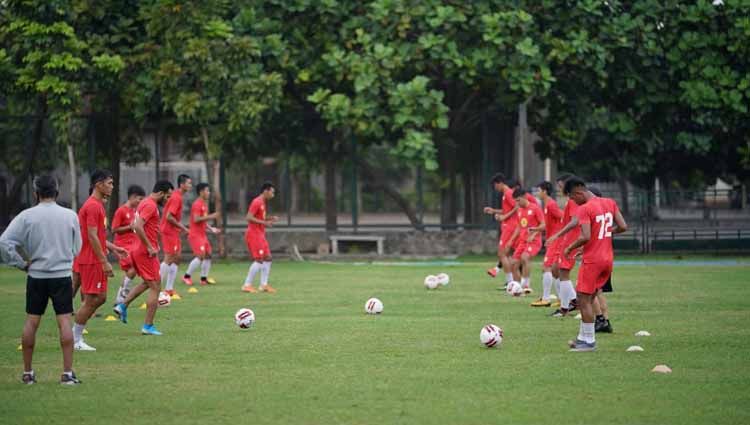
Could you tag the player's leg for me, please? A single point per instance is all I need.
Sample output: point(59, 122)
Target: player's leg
point(28, 340)
point(265, 272)
point(525, 271)
point(591, 277)
point(151, 304)
point(94, 291)
point(567, 292)
point(254, 248)
point(172, 260)
point(205, 268)
point(124, 289)
point(192, 267)
point(602, 318)
point(62, 302)
point(492, 272)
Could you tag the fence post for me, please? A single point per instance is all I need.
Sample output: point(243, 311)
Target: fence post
point(223, 190)
point(420, 196)
point(355, 211)
point(288, 191)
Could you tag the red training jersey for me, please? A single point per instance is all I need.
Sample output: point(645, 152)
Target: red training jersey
point(257, 209)
point(174, 206)
point(124, 216)
point(599, 213)
point(568, 213)
point(508, 204)
point(149, 213)
point(531, 198)
point(531, 216)
point(92, 214)
point(200, 209)
point(553, 217)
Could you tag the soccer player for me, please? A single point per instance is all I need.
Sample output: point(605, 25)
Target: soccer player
point(125, 237)
point(565, 263)
point(596, 217)
point(91, 265)
point(508, 220)
point(197, 238)
point(529, 233)
point(601, 309)
point(553, 223)
point(51, 237)
point(255, 236)
point(171, 227)
point(146, 256)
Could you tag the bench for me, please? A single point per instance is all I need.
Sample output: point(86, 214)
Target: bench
point(355, 238)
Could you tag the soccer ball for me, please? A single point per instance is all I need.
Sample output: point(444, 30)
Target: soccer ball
point(373, 306)
point(164, 299)
point(514, 288)
point(491, 336)
point(431, 282)
point(443, 279)
point(244, 318)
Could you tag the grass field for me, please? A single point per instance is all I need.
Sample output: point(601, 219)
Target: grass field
point(314, 357)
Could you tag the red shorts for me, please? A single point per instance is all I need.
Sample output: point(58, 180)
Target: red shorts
point(257, 246)
point(200, 245)
point(93, 279)
point(172, 244)
point(552, 253)
point(566, 263)
point(145, 266)
point(505, 235)
point(127, 263)
point(531, 248)
point(592, 276)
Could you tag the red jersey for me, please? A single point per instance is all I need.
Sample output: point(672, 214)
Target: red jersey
point(92, 214)
point(124, 216)
point(531, 216)
point(257, 209)
point(599, 213)
point(568, 213)
point(508, 204)
point(149, 213)
point(531, 198)
point(174, 206)
point(553, 217)
point(199, 208)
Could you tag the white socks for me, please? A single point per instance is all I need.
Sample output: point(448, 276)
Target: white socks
point(254, 269)
point(586, 333)
point(567, 293)
point(509, 277)
point(125, 282)
point(264, 273)
point(547, 280)
point(171, 276)
point(205, 267)
point(78, 332)
point(525, 281)
point(163, 271)
point(556, 283)
point(193, 266)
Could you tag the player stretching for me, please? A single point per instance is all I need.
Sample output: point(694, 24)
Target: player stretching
point(529, 233)
point(508, 219)
point(197, 238)
point(596, 217)
point(125, 237)
point(146, 256)
point(92, 265)
point(171, 227)
point(255, 237)
point(553, 222)
point(565, 263)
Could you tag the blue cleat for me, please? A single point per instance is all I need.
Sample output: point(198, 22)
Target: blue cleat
point(579, 346)
point(121, 310)
point(149, 330)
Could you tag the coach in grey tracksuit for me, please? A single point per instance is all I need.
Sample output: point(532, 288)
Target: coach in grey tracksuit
point(50, 237)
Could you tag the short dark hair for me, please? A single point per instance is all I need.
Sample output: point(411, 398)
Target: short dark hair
point(267, 185)
point(595, 190)
point(512, 183)
point(498, 178)
point(182, 178)
point(200, 187)
point(162, 186)
point(572, 183)
point(519, 192)
point(99, 176)
point(136, 190)
point(548, 187)
point(45, 187)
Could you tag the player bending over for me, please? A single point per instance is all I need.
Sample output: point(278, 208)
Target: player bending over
point(529, 233)
point(255, 237)
point(199, 218)
point(553, 222)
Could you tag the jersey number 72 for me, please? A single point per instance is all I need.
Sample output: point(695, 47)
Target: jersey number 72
point(605, 229)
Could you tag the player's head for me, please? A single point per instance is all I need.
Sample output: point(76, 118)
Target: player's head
point(561, 178)
point(162, 191)
point(498, 182)
point(135, 195)
point(45, 188)
point(184, 183)
point(102, 183)
point(595, 190)
point(203, 190)
point(511, 183)
point(268, 190)
point(576, 189)
point(546, 189)
point(519, 195)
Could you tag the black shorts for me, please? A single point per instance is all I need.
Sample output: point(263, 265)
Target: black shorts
point(39, 291)
point(607, 285)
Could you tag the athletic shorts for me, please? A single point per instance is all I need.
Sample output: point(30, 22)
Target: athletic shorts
point(566, 263)
point(607, 285)
point(127, 262)
point(172, 244)
point(93, 279)
point(505, 234)
point(592, 277)
point(146, 267)
point(552, 253)
point(39, 291)
point(200, 245)
point(531, 248)
point(258, 247)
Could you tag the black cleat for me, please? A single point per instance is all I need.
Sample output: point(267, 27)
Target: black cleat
point(28, 378)
point(71, 379)
point(603, 326)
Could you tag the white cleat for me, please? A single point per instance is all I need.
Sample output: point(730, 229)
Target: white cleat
point(82, 346)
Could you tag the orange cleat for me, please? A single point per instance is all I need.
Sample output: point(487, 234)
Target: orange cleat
point(492, 272)
point(187, 280)
point(249, 288)
point(170, 292)
point(267, 288)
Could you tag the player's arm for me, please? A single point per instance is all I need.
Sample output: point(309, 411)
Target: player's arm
point(621, 225)
point(504, 217)
point(492, 211)
point(9, 240)
point(138, 228)
point(98, 249)
point(201, 218)
point(173, 221)
point(120, 251)
point(582, 239)
point(568, 227)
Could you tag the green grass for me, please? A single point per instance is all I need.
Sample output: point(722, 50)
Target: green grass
point(314, 357)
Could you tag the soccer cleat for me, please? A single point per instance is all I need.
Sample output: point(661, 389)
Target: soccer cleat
point(527, 290)
point(150, 330)
point(492, 272)
point(170, 292)
point(249, 288)
point(556, 304)
point(71, 379)
point(204, 281)
point(579, 346)
point(560, 312)
point(541, 303)
point(28, 378)
point(121, 310)
point(82, 346)
point(187, 280)
point(267, 288)
point(573, 305)
point(603, 326)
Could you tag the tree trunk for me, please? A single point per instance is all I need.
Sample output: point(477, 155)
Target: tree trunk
point(4, 210)
point(448, 198)
point(214, 175)
point(330, 205)
point(115, 155)
point(380, 182)
point(73, 177)
point(33, 144)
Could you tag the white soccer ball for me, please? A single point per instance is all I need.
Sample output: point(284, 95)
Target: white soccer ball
point(373, 306)
point(431, 282)
point(443, 279)
point(244, 318)
point(491, 336)
point(164, 299)
point(514, 288)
